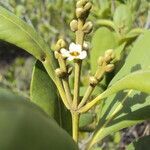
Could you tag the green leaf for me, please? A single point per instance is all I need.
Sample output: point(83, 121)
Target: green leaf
point(119, 51)
point(19, 33)
point(140, 144)
point(104, 10)
point(123, 19)
point(134, 5)
point(23, 125)
point(127, 108)
point(130, 36)
point(43, 92)
point(102, 40)
point(127, 82)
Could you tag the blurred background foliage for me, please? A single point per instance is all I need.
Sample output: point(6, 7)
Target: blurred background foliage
point(51, 19)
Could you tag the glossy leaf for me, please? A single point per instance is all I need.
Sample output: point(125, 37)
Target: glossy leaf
point(102, 40)
point(139, 144)
point(19, 33)
point(123, 19)
point(23, 125)
point(43, 92)
point(127, 108)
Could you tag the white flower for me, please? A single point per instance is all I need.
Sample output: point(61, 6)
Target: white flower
point(74, 52)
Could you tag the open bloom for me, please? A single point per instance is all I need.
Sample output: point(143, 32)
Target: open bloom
point(75, 52)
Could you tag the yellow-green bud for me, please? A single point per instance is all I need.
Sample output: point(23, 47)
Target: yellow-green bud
point(56, 53)
point(74, 25)
point(93, 81)
point(109, 52)
point(60, 44)
point(81, 3)
point(60, 73)
point(109, 55)
point(86, 46)
point(100, 61)
point(70, 70)
point(79, 12)
point(109, 67)
point(88, 6)
point(113, 56)
point(107, 58)
point(88, 27)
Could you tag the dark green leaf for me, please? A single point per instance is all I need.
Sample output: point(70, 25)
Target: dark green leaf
point(43, 92)
point(140, 144)
point(102, 40)
point(25, 126)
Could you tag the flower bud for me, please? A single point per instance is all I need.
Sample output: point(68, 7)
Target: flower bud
point(100, 60)
point(56, 53)
point(88, 27)
point(60, 44)
point(60, 73)
point(109, 55)
point(109, 67)
point(93, 81)
point(86, 46)
point(109, 52)
point(81, 3)
point(79, 12)
point(88, 6)
point(113, 56)
point(70, 69)
point(107, 58)
point(74, 25)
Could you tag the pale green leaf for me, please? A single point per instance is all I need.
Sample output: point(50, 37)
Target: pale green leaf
point(102, 40)
point(128, 82)
point(17, 32)
point(23, 125)
point(127, 108)
point(130, 36)
point(123, 19)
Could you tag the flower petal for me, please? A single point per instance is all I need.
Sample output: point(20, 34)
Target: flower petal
point(72, 47)
point(70, 58)
point(78, 48)
point(64, 52)
point(82, 55)
point(75, 47)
